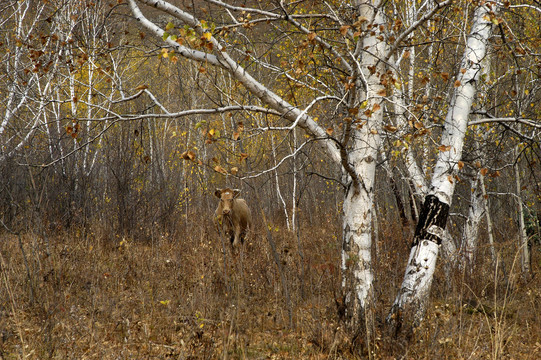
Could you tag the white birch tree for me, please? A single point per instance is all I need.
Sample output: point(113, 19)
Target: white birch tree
point(410, 305)
point(363, 48)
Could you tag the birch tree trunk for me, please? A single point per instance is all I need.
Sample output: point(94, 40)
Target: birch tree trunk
point(409, 307)
point(476, 211)
point(523, 243)
point(361, 166)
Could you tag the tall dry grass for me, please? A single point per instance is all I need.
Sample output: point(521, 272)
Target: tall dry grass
point(99, 296)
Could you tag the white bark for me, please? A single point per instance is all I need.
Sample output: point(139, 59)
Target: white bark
point(361, 167)
point(17, 98)
point(410, 304)
point(222, 59)
point(490, 232)
point(524, 247)
point(476, 211)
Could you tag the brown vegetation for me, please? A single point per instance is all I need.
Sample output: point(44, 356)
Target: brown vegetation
point(105, 297)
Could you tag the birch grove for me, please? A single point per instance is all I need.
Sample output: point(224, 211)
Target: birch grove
point(127, 114)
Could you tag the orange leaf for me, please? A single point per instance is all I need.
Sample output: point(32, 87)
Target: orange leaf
point(445, 76)
point(444, 148)
point(329, 131)
point(390, 128)
point(344, 29)
point(243, 156)
point(220, 169)
point(483, 171)
point(234, 170)
point(236, 135)
point(450, 178)
point(188, 155)
point(312, 36)
point(460, 165)
point(457, 83)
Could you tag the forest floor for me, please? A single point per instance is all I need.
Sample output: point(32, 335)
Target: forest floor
point(96, 296)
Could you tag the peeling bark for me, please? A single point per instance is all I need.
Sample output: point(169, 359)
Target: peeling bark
point(409, 307)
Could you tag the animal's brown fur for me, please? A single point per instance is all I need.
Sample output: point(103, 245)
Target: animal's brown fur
point(233, 216)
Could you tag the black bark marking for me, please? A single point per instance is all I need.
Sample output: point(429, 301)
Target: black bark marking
point(433, 212)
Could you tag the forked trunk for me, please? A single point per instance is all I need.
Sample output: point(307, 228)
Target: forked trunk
point(410, 305)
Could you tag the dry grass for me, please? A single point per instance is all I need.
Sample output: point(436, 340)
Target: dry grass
point(103, 297)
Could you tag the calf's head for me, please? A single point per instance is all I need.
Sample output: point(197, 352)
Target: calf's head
point(226, 197)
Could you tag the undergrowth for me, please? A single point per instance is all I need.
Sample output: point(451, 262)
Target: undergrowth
point(97, 296)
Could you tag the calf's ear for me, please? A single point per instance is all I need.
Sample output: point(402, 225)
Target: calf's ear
point(236, 193)
point(218, 193)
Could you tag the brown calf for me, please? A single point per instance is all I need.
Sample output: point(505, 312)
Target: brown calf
point(233, 216)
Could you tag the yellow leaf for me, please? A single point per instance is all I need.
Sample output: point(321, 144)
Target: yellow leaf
point(234, 170)
point(207, 36)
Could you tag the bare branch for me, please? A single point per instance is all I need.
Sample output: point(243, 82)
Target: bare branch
point(529, 122)
point(414, 26)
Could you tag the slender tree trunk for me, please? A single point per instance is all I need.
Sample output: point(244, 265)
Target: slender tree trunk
point(490, 228)
point(476, 211)
point(409, 307)
point(524, 246)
